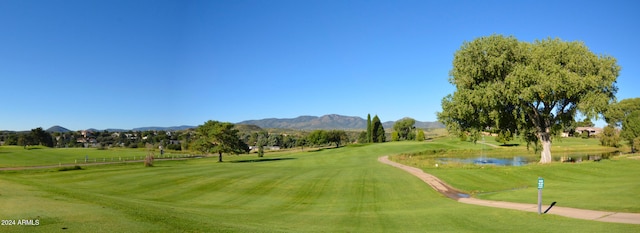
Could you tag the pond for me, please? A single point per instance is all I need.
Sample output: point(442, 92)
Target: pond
point(523, 160)
point(515, 161)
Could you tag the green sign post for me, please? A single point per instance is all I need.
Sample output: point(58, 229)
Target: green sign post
point(540, 183)
point(540, 187)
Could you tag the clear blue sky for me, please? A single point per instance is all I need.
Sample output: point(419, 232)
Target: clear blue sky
point(125, 64)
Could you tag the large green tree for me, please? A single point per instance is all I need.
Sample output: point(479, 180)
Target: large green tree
point(616, 113)
point(219, 137)
point(369, 129)
point(336, 136)
point(609, 136)
point(42, 137)
point(622, 114)
point(534, 88)
point(318, 137)
point(631, 129)
point(404, 127)
point(377, 130)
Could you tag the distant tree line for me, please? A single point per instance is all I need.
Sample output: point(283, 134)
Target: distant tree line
point(174, 140)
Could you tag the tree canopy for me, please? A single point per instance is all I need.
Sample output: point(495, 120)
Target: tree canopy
point(336, 136)
point(625, 114)
point(219, 137)
point(377, 130)
point(405, 127)
point(617, 112)
point(631, 129)
point(369, 129)
point(533, 88)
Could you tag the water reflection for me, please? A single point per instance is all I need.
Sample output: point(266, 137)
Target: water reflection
point(572, 158)
point(522, 160)
point(515, 161)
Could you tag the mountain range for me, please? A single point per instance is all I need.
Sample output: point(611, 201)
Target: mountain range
point(331, 121)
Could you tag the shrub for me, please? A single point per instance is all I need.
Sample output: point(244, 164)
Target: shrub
point(174, 147)
point(148, 160)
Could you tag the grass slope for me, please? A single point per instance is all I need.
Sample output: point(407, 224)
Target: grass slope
point(332, 190)
point(609, 185)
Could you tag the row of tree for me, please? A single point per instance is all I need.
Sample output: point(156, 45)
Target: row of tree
point(222, 137)
point(102, 139)
point(34, 137)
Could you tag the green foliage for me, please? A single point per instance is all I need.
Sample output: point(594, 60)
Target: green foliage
point(318, 137)
point(618, 112)
point(302, 142)
point(420, 136)
point(261, 142)
point(405, 127)
point(369, 138)
point(585, 135)
point(374, 133)
point(37, 136)
point(395, 136)
point(377, 131)
point(41, 137)
point(626, 113)
point(174, 147)
point(631, 129)
point(336, 137)
point(511, 85)
point(610, 137)
point(462, 136)
point(585, 123)
point(504, 136)
point(362, 137)
point(219, 137)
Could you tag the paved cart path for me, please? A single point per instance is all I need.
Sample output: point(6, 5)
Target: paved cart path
point(447, 190)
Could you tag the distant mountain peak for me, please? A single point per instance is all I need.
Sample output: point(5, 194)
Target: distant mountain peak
point(57, 129)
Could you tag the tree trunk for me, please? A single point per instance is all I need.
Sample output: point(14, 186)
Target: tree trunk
point(219, 156)
point(545, 140)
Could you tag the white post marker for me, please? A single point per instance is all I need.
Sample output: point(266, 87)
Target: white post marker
point(540, 187)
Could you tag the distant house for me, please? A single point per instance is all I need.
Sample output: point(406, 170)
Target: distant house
point(591, 131)
point(86, 133)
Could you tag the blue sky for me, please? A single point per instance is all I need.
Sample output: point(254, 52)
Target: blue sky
point(125, 64)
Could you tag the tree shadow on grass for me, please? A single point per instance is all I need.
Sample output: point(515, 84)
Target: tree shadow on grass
point(260, 160)
point(325, 148)
point(510, 145)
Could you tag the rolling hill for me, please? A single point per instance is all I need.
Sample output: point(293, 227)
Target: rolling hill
point(331, 121)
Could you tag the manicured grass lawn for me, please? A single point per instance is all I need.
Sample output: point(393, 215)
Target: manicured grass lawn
point(17, 156)
point(331, 190)
point(610, 185)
